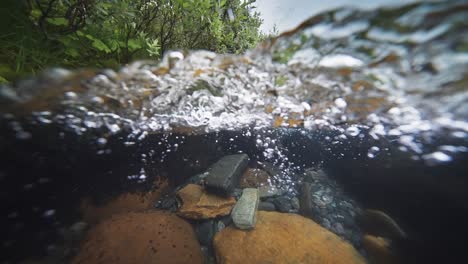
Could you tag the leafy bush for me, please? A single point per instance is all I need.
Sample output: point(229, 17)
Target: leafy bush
point(108, 33)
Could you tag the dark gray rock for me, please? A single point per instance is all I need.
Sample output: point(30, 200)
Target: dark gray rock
point(266, 206)
point(338, 229)
point(315, 175)
point(295, 204)
point(306, 204)
point(209, 256)
point(168, 202)
point(226, 220)
point(323, 200)
point(205, 232)
point(224, 175)
point(197, 179)
point(283, 204)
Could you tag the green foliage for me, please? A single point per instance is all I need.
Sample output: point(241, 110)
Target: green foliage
point(109, 33)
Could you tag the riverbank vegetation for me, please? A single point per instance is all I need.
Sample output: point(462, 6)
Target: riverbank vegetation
point(36, 34)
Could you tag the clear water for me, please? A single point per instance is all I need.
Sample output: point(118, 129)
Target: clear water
point(377, 98)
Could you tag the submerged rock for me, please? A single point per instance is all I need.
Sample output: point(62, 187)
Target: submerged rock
point(199, 204)
point(146, 237)
point(253, 178)
point(283, 204)
point(224, 175)
point(379, 250)
point(306, 204)
point(168, 202)
point(244, 213)
point(283, 238)
point(205, 232)
point(324, 201)
point(126, 202)
point(266, 206)
point(379, 223)
point(268, 191)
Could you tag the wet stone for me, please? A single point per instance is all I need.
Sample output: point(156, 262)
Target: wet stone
point(271, 169)
point(253, 178)
point(168, 202)
point(295, 204)
point(376, 222)
point(223, 176)
point(322, 200)
point(237, 193)
point(269, 191)
point(283, 238)
point(224, 220)
point(219, 226)
point(283, 204)
point(197, 203)
point(208, 255)
point(315, 175)
point(266, 206)
point(205, 232)
point(307, 207)
point(245, 210)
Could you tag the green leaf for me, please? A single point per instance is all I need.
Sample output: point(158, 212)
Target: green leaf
point(72, 52)
point(3, 80)
point(101, 46)
point(59, 21)
point(134, 44)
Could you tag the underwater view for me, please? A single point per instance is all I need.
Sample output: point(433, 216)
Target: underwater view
point(343, 140)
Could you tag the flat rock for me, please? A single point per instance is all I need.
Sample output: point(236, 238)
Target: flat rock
point(223, 176)
point(253, 178)
point(144, 237)
point(199, 204)
point(245, 211)
point(283, 238)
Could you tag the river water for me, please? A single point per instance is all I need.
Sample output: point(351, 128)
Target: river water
point(376, 98)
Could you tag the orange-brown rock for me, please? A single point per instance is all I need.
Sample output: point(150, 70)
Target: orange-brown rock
point(378, 250)
point(253, 178)
point(144, 237)
point(199, 204)
point(124, 203)
point(283, 238)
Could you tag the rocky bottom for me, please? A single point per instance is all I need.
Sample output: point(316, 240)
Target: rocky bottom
point(233, 214)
